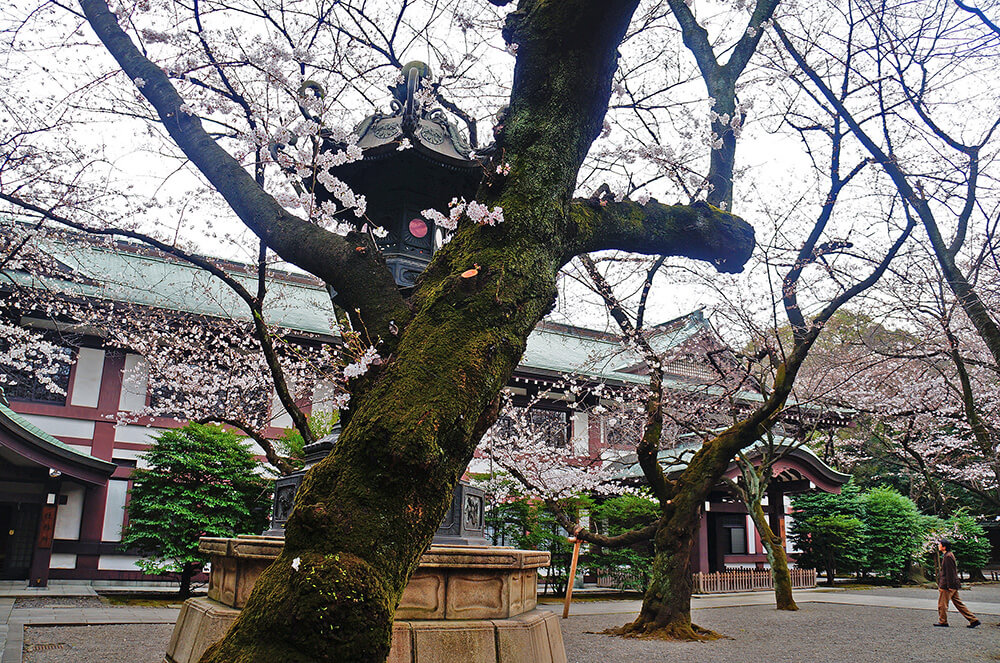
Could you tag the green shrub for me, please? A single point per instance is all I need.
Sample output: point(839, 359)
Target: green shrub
point(829, 531)
point(526, 523)
point(617, 516)
point(969, 542)
point(201, 481)
point(893, 529)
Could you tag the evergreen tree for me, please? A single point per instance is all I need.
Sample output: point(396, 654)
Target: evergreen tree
point(893, 526)
point(201, 481)
point(829, 530)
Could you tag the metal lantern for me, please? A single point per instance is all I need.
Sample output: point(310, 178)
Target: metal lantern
point(414, 159)
point(462, 525)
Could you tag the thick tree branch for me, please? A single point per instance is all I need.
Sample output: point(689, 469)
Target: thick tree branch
point(697, 231)
point(982, 17)
point(720, 81)
point(278, 462)
point(970, 301)
point(574, 527)
point(649, 445)
point(351, 265)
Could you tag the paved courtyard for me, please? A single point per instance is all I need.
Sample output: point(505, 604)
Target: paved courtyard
point(882, 625)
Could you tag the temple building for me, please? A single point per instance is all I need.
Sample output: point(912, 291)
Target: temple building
point(66, 456)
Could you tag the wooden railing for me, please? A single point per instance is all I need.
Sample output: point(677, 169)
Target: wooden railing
point(748, 581)
point(621, 580)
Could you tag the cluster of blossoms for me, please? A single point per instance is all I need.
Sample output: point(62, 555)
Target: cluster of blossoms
point(908, 394)
point(194, 367)
point(475, 211)
point(369, 358)
point(25, 350)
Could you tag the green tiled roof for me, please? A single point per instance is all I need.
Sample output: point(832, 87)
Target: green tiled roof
point(565, 349)
point(142, 277)
point(677, 459)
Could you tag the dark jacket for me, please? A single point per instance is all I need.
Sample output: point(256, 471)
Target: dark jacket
point(948, 575)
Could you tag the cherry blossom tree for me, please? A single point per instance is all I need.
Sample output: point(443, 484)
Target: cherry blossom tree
point(925, 392)
point(594, 95)
point(906, 64)
point(366, 514)
point(198, 367)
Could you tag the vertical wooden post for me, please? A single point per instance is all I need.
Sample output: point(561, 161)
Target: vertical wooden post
point(572, 576)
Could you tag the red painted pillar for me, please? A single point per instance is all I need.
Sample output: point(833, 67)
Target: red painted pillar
point(699, 552)
point(102, 446)
point(594, 435)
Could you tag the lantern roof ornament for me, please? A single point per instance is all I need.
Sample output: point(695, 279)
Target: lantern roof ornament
point(413, 159)
point(429, 130)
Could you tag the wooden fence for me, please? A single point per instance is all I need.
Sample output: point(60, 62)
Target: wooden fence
point(748, 581)
point(621, 580)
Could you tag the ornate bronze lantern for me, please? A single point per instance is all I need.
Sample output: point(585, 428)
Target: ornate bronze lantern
point(414, 159)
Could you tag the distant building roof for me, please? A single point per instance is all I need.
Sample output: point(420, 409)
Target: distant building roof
point(128, 272)
point(560, 348)
point(133, 273)
point(676, 459)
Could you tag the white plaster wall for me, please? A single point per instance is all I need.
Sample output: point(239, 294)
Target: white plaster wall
point(135, 434)
point(323, 397)
point(135, 382)
point(118, 563)
point(114, 510)
point(62, 561)
point(86, 387)
point(789, 544)
point(479, 466)
point(581, 433)
point(69, 515)
point(751, 536)
point(279, 417)
point(63, 427)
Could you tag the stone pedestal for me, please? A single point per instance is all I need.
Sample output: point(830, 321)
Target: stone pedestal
point(463, 603)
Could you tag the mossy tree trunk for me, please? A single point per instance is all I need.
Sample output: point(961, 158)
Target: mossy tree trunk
point(666, 609)
point(364, 516)
point(751, 487)
point(774, 547)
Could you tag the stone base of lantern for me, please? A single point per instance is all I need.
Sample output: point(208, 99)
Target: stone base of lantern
point(463, 603)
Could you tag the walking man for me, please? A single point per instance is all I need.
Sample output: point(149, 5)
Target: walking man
point(948, 587)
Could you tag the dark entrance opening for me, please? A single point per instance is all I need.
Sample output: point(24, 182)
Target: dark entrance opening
point(714, 555)
point(18, 527)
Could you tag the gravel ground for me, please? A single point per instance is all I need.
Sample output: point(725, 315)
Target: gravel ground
point(117, 643)
point(817, 633)
point(988, 593)
point(58, 602)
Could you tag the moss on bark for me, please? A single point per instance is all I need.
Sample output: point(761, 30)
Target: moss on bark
point(776, 557)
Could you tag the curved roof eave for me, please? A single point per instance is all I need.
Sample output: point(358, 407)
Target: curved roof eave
point(32, 443)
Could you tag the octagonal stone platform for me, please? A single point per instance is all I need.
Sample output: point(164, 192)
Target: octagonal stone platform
point(462, 603)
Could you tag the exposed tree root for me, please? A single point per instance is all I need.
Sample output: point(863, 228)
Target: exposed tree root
point(683, 631)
